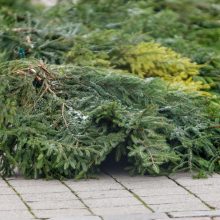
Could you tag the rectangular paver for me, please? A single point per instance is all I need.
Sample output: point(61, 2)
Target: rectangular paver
point(78, 218)
point(42, 189)
point(121, 193)
point(150, 216)
point(112, 202)
point(70, 204)
point(169, 199)
point(179, 207)
point(211, 213)
point(58, 213)
point(7, 191)
point(160, 191)
point(57, 196)
point(121, 210)
point(15, 214)
point(94, 187)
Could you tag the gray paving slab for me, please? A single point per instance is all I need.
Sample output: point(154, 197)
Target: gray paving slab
point(70, 204)
point(160, 191)
point(78, 218)
point(189, 176)
point(125, 177)
point(212, 213)
point(149, 184)
point(169, 199)
point(57, 196)
point(210, 196)
point(94, 187)
point(21, 182)
point(193, 218)
point(15, 214)
point(215, 204)
point(121, 193)
point(12, 205)
point(42, 189)
point(199, 182)
point(152, 216)
point(112, 202)
point(107, 198)
point(58, 213)
point(204, 189)
point(3, 183)
point(7, 191)
point(13, 198)
point(179, 207)
point(16, 218)
point(121, 210)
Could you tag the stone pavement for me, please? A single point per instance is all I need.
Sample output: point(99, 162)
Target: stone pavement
point(113, 196)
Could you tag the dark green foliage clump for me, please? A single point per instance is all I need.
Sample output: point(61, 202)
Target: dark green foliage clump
point(69, 122)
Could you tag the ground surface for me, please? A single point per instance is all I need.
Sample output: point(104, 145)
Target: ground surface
point(114, 196)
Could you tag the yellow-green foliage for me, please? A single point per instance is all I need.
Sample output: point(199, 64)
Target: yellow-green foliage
point(83, 56)
point(153, 60)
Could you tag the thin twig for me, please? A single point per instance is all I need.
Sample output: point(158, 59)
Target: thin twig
point(23, 30)
point(46, 71)
point(217, 126)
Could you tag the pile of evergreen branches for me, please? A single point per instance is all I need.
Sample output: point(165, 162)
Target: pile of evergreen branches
point(69, 95)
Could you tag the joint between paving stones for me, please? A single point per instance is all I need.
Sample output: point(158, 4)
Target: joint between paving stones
point(80, 199)
point(21, 198)
point(130, 191)
point(189, 191)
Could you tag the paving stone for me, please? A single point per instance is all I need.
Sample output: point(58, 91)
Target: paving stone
point(199, 182)
point(203, 189)
point(210, 196)
point(42, 205)
point(12, 205)
point(161, 191)
point(105, 194)
point(9, 198)
point(3, 183)
point(185, 176)
point(150, 184)
point(179, 207)
point(58, 213)
point(193, 218)
point(78, 218)
point(16, 214)
point(42, 189)
point(20, 182)
point(7, 191)
point(121, 210)
point(216, 218)
point(152, 216)
point(100, 178)
point(215, 204)
point(58, 196)
point(94, 187)
point(17, 218)
point(124, 177)
point(169, 199)
point(112, 202)
point(211, 213)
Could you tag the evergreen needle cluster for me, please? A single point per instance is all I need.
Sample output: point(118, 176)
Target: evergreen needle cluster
point(88, 79)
